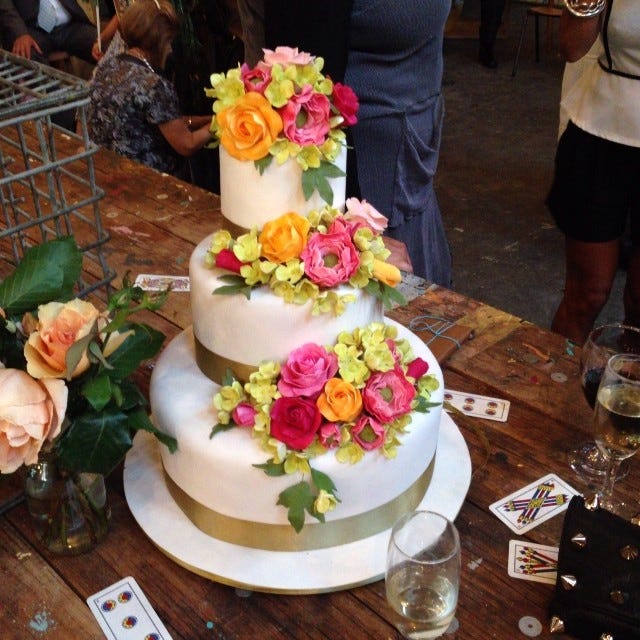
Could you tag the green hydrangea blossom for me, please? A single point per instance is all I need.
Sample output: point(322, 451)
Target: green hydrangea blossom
point(226, 89)
point(325, 502)
point(281, 87)
point(247, 248)
point(229, 397)
point(378, 357)
point(350, 453)
point(295, 462)
point(292, 272)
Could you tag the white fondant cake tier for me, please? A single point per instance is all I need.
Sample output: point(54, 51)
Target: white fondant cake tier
point(218, 473)
point(249, 199)
point(244, 332)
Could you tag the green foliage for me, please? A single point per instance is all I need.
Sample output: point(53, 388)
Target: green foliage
point(318, 180)
point(386, 294)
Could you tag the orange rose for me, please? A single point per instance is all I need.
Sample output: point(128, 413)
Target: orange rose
point(249, 127)
point(386, 272)
point(284, 238)
point(60, 325)
point(340, 401)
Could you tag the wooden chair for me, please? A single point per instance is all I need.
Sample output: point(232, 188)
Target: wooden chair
point(550, 9)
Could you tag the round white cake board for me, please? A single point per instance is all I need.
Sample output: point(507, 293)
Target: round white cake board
point(300, 572)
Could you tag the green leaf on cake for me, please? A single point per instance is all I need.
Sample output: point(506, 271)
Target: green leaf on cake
point(262, 164)
point(423, 405)
point(271, 468)
point(386, 294)
point(298, 499)
point(323, 481)
point(220, 428)
point(236, 285)
point(318, 180)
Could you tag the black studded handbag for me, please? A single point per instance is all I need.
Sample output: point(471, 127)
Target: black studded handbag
point(597, 594)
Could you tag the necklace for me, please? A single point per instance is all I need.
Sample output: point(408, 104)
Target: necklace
point(136, 53)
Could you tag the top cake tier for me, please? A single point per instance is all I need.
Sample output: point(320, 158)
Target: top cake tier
point(249, 198)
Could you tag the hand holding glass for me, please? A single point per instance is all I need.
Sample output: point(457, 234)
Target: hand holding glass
point(616, 421)
point(423, 574)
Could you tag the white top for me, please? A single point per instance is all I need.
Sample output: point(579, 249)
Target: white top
point(605, 103)
point(52, 14)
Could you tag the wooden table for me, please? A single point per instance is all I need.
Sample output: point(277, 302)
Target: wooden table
point(155, 220)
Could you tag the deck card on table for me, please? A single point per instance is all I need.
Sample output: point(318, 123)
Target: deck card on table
point(535, 562)
point(477, 406)
point(124, 613)
point(149, 282)
point(526, 508)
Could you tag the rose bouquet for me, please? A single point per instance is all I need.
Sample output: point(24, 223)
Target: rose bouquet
point(352, 397)
point(65, 366)
point(303, 259)
point(284, 108)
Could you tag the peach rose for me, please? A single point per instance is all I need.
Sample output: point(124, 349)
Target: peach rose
point(60, 325)
point(284, 238)
point(386, 272)
point(31, 412)
point(340, 401)
point(249, 127)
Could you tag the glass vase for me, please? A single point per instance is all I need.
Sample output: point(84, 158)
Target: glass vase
point(70, 511)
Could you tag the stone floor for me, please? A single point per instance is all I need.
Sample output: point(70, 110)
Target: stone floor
point(495, 168)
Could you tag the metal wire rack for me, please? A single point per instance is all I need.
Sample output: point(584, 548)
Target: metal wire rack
point(47, 176)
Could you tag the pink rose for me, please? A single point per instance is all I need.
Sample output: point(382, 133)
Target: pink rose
point(330, 258)
point(417, 368)
point(256, 79)
point(368, 433)
point(295, 421)
point(305, 117)
point(329, 435)
point(244, 415)
point(31, 412)
point(388, 395)
point(346, 102)
point(306, 371)
point(286, 56)
point(366, 213)
point(341, 223)
point(226, 259)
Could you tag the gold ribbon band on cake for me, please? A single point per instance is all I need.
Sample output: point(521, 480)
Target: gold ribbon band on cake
point(215, 366)
point(276, 537)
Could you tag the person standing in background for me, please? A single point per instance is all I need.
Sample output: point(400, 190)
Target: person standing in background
point(490, 20)
point(390, 53)
point(595, 194)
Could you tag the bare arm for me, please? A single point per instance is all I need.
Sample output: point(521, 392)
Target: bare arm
point(185, 141)
point(577, 35)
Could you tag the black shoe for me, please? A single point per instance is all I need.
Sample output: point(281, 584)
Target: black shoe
point(487, 59)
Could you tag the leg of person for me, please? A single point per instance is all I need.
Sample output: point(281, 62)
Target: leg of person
point(76, 38)
point(490, 19)
point(590, 270)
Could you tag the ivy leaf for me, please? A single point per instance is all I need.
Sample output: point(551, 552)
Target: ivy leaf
point(271, 468)
point(142, 344)
point(297, 499)
point(46, 272)
point(139, 421)
point(98, 391)
point(95, 442)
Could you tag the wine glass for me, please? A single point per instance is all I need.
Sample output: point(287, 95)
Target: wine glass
point(603, 342)
point(585, 8)
point(423, 574)
point(616, 420)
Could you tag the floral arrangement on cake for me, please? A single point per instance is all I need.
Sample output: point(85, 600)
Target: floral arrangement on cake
point(284, 107)
point(352, 397)
point(305, 258)
point(65, 366)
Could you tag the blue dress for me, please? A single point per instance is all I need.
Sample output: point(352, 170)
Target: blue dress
point(395, 65)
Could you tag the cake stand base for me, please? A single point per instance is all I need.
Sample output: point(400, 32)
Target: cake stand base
point(300, 572)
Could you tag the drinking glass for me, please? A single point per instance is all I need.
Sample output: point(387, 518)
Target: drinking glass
point(616, 420)
point(603, 342)
point(585, 8)
point(423, 574)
